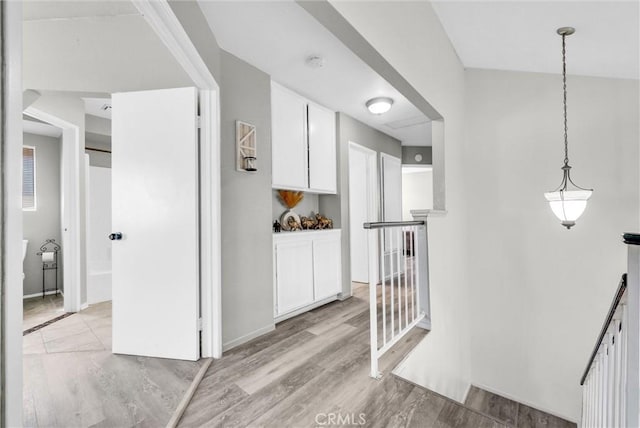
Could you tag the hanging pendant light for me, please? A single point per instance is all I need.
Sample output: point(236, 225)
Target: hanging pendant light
point(569, 200)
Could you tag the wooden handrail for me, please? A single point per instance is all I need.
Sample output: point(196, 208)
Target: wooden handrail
point(612, 310)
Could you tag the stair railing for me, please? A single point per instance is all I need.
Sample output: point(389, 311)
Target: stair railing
point(604, 379)
point(611, 381)
point(398, 283)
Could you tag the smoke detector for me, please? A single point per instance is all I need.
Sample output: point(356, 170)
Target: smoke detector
point(315, 61)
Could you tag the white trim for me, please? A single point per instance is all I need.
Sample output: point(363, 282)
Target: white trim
point(466, 394)
point(306, 308)
point(84, 306)
point(70, 179)
point(374, 199)
point(428, 213)
point(247, 337)
point(520, 401)
point(11, 410)
point(46, 293)
point(425, 323)
point(164, 22)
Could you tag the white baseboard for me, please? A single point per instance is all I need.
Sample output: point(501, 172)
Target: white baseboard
point(47, 293)
point(84, 306)
point(425, 324)
point(525, 402)
point(304, 309)
point(247, 337)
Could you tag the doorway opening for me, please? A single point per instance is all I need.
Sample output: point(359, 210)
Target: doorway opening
point(73, 347)
point(42, 257)
point(364, 202)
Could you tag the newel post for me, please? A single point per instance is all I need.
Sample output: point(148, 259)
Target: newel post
point(633, 334)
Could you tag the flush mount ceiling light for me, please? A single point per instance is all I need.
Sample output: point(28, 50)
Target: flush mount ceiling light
point(569, 200)
point(379, 105)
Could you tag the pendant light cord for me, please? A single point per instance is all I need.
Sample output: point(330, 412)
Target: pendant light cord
point(564, 88)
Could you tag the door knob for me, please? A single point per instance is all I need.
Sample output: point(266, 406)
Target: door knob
point(115, 236)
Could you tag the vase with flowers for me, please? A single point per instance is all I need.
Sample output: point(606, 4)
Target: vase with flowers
point(289, 220)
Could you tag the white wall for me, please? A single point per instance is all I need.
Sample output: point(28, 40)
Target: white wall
point(98, 54)
point(417, 190)
point(398, 30)
point(540, 292)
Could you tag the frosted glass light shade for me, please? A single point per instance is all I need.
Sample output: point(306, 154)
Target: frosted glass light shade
point(568, 205)
point(379, 105)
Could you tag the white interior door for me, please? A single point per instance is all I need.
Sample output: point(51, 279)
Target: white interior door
point(155, 208)
point(361, 208)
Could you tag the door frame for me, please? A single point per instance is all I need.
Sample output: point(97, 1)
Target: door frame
point(373, 197)
point(164, 22)
point(70, 178)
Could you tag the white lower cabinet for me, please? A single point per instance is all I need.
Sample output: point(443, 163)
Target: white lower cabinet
point(307, 270)
point(327, 275)
point(294, 267)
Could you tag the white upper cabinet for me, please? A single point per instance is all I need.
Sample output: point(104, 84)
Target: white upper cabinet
point(289, 131)
point(322, 149)
point(303, 139)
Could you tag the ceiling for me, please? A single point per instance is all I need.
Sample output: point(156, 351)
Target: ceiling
point(277, 37)
point(46, 10)
point(31, 125)
point(521, 35)
point(98, 107)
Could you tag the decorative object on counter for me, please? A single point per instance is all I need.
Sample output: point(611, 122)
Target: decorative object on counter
point(246, 147)
point(293, 224)
point(277, 227)
point(290, 198)
point(323, 222)
point(307, 223)
point(289, 220)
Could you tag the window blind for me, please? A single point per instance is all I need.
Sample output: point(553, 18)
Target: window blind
point(28, 178)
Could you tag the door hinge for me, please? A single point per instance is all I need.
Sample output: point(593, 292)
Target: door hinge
point(199, 324)
point(199, 122)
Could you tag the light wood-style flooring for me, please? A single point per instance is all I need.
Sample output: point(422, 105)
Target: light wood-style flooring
point(512, 413)
point(313, 370)
point(71, 378)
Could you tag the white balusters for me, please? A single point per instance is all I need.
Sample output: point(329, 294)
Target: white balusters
point(604, 385)
point(394, 259)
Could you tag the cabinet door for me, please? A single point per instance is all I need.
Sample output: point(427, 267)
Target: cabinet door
point(327, 270)
point(288, 139)
point(294, 275)
point(322, 149)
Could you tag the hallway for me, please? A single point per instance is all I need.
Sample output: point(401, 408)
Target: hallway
point(314, 367)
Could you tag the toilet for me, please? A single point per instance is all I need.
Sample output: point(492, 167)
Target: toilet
point(25, 242)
